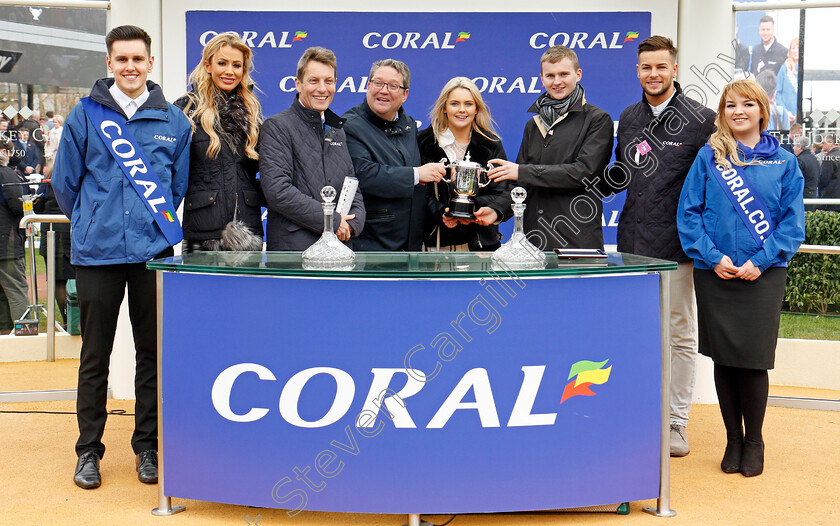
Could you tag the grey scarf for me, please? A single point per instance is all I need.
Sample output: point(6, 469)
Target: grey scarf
point(553, 109)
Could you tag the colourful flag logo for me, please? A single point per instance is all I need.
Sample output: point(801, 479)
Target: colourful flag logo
point(585, 374)
point(643, 148)
point(630, 36)
point(168, 215)
point(300, 35)
point(462, 36)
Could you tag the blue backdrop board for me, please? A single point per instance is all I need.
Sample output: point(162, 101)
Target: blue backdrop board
point(499, 51)
point(393, 396)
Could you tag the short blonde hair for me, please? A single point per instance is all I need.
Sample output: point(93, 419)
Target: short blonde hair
point(555, 54)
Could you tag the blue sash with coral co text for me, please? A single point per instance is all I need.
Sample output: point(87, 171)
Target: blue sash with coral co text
point(746, 201)
point(133, 162)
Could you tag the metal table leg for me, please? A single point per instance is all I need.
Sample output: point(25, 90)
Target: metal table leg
point(663, 503)
point(165, 506)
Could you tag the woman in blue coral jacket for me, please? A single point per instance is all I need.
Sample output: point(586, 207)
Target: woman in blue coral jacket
point(741, 219)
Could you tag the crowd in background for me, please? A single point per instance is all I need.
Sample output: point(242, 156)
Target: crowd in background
point(776, 69)
point(27, 152)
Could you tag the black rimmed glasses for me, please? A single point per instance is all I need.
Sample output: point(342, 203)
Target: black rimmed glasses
point(393, 88)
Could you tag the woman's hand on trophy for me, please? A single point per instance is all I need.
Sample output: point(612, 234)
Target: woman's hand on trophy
point(431, 172)
point(344, 230)
point(450, 222)
point(485, 216)
point(505, 171)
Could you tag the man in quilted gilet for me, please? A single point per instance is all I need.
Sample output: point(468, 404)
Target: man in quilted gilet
point(658, 139)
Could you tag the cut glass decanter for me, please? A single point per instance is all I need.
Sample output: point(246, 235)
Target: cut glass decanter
point(328, 253)
point(518, 253)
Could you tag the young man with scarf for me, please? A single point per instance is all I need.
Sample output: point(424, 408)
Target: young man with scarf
point(561, 162)
point(658, 139)
point(120, 173)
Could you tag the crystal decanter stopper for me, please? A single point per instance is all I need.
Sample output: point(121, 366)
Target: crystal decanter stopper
point(328, 253)
point(519, 253)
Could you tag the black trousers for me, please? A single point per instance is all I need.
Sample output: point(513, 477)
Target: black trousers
point(101, 290)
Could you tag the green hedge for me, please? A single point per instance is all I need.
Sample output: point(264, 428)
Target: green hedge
point(813, 280)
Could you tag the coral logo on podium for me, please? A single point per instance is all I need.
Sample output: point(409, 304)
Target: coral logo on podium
point(585, 374)
point(477, 380)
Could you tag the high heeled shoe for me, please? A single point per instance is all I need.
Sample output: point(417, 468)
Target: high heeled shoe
point(752, 458)
point(731, 462)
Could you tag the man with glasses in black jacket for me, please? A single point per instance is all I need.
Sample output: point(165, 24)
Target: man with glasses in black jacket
point(382, 140)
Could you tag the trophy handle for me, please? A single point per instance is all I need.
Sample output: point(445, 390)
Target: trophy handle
point(445, 162)
point(483, 172)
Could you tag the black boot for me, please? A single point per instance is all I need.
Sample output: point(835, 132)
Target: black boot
point(729, 398)
point(752, 458)
point(731, 462)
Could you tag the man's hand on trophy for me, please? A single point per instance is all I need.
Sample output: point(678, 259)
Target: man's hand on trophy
point(486, 216)
point(344, 230)
point(431, 172)
point(505, 171)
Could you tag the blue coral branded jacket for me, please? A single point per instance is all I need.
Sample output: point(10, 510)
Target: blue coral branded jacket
point(110, 224)
point(709, 226)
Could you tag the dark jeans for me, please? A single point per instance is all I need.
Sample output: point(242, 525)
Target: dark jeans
point(6, 323)
point(101, 290)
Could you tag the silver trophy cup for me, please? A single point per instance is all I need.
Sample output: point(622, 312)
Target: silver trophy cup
point(465, 179)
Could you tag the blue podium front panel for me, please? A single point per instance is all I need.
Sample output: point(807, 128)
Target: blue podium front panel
point(415, 396)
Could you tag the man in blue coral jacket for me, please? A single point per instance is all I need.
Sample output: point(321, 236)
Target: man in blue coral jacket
point(120, 173)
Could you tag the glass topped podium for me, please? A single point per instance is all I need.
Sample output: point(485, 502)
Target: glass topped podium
point(402, 265)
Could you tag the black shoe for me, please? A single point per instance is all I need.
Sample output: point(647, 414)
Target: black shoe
point(752, 458)
point(731, 462)
point(87, 471)
point(147, 466)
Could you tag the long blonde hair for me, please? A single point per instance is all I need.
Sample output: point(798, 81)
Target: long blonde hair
point(790, 64)
point(722, 141)
point(202, 98)
point(483, 123)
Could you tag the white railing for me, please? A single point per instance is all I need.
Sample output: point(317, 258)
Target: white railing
point(799, 402)
point(24, 224)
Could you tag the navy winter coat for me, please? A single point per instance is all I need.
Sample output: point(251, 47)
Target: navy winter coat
point(384, 154)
